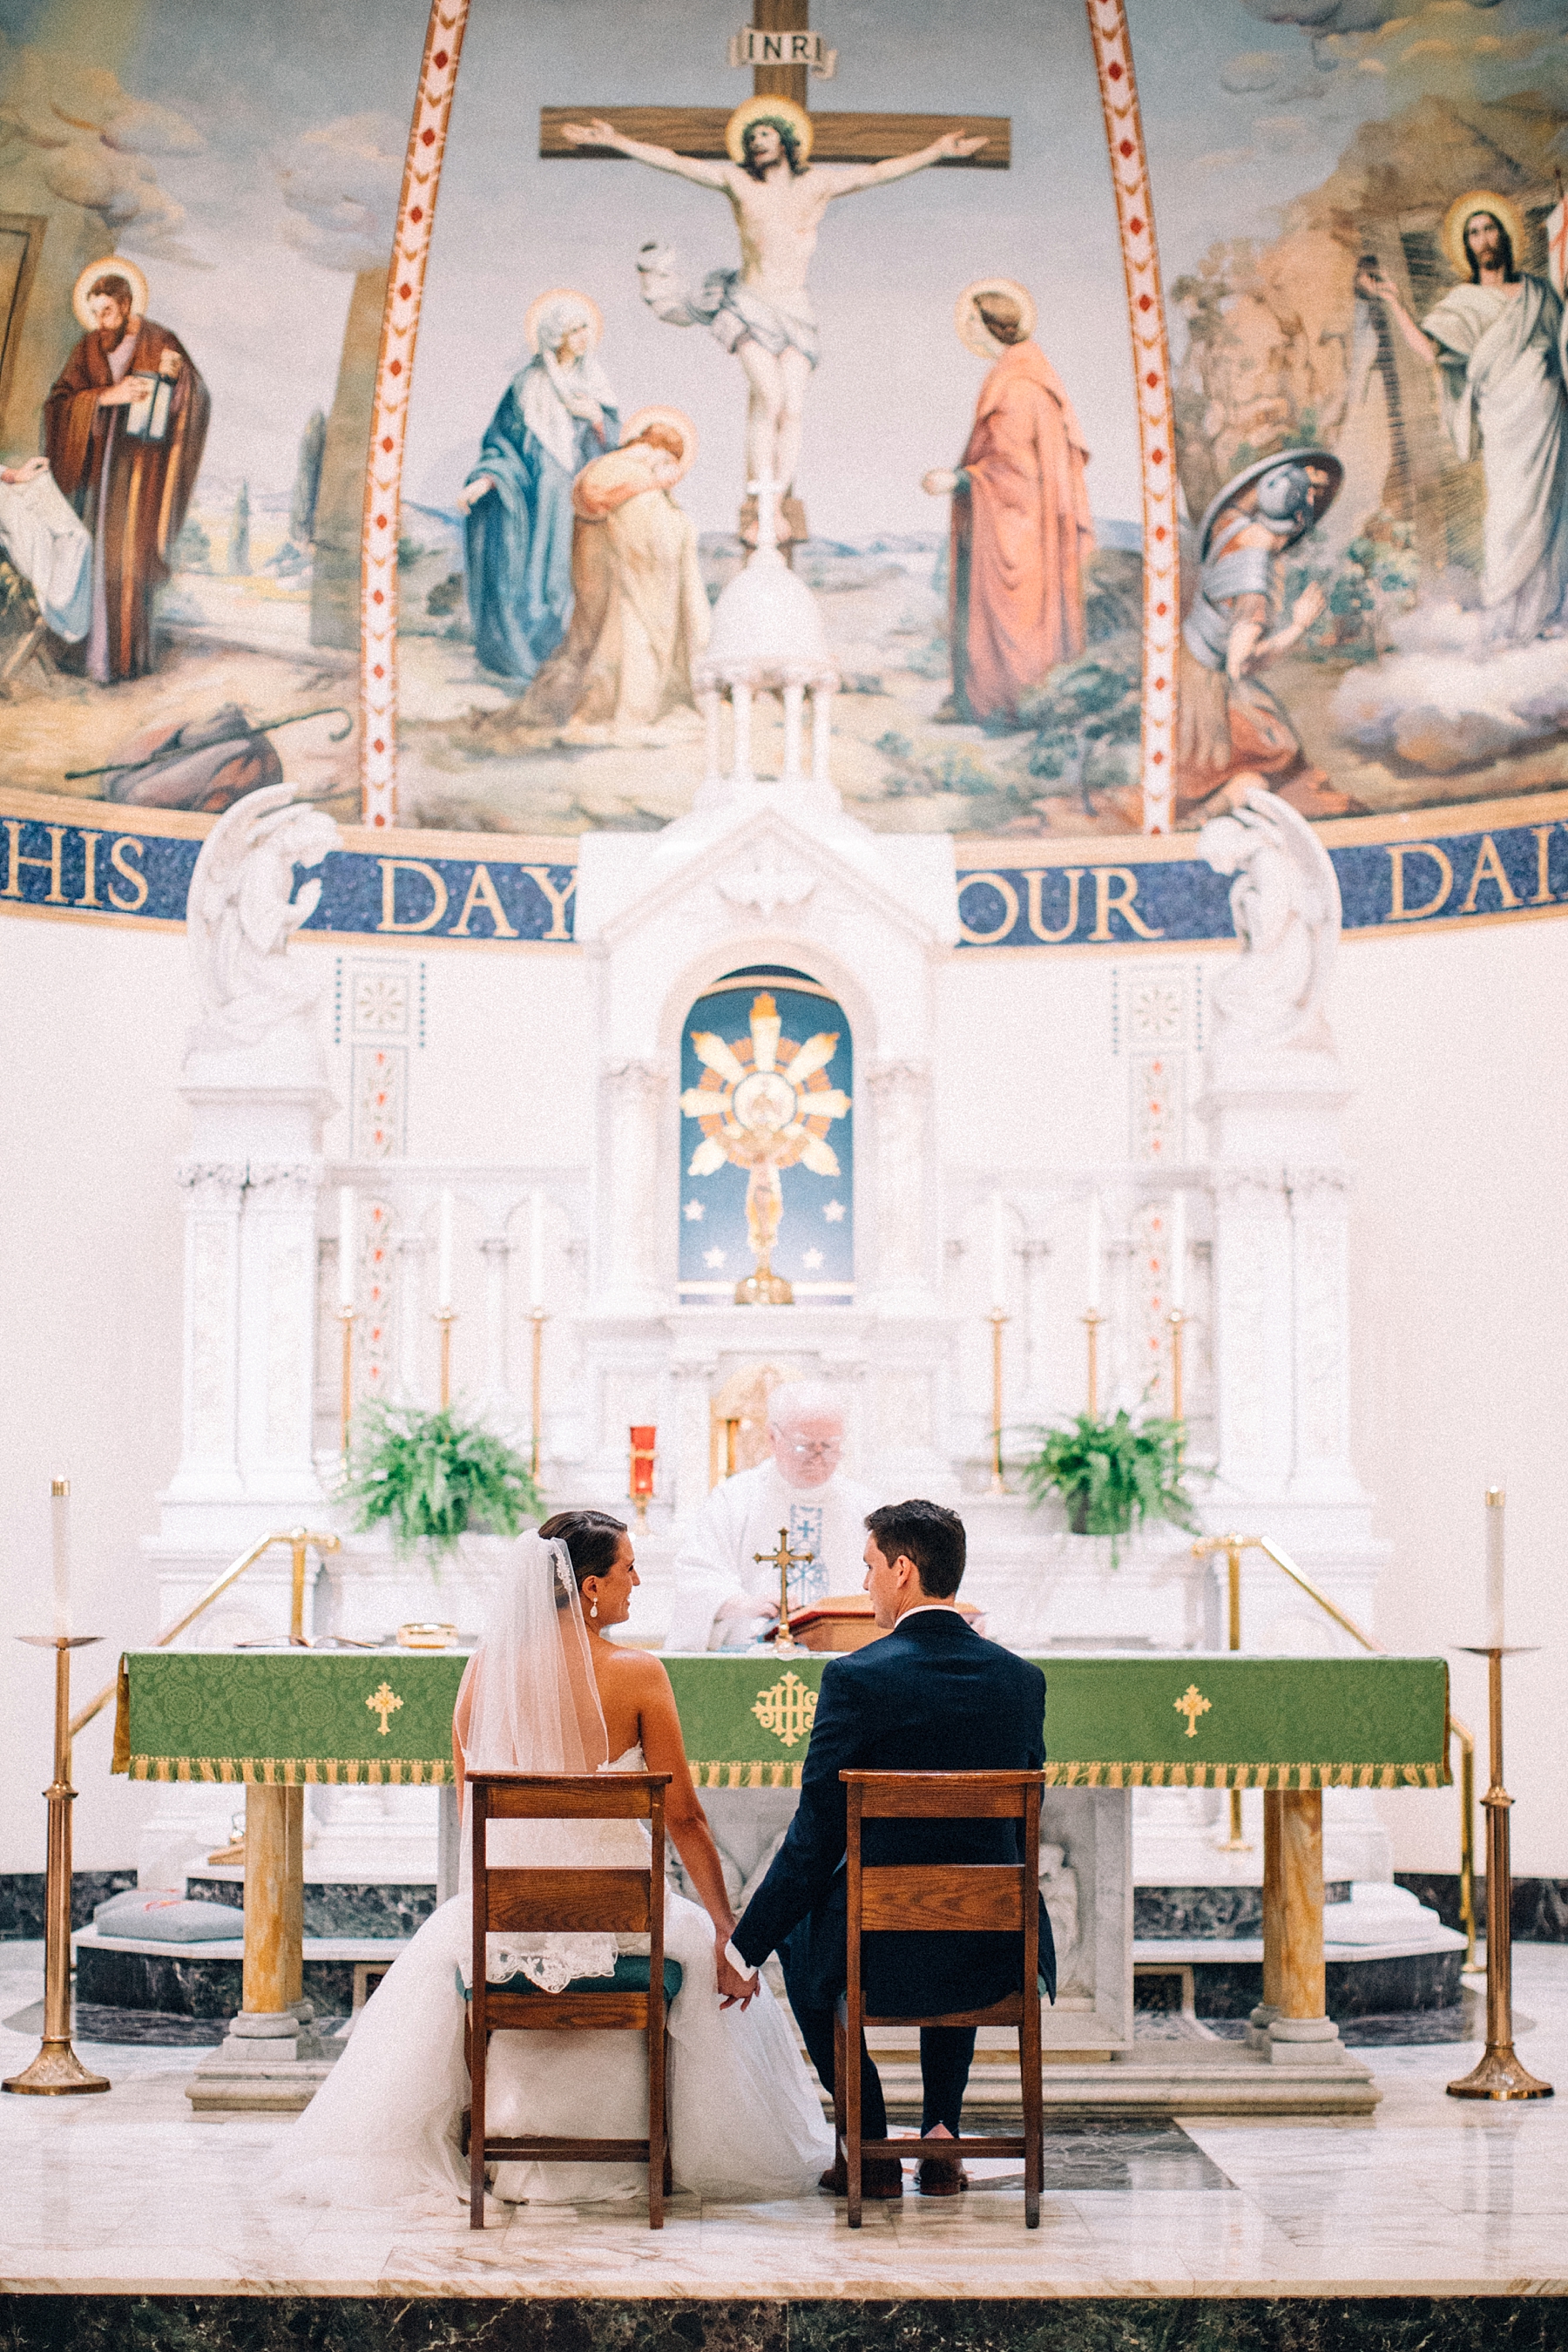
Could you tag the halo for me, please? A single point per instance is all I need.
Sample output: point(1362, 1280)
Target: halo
point(1480, 200)
point(658, 415)
point(753, 110)
point(113, 265)
point(972, 332)
point(555, 294)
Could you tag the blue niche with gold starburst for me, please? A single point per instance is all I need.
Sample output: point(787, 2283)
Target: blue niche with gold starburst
point(767, 1144)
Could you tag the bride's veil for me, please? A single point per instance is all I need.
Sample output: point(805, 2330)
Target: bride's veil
point(530, 1702)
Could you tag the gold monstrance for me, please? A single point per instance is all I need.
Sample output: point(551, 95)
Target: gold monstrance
point(764, 1103)
point(784, 1560)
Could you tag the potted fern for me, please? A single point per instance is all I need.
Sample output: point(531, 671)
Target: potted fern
point(433, 1479)
point(1114, 1475)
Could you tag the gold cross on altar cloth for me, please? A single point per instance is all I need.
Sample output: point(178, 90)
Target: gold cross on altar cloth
point(1192, 1704)
point(384, 1702)
point(840, 138)
point(784, 1560)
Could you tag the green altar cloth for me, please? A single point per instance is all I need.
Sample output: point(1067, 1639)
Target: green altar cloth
point(1179, 1720)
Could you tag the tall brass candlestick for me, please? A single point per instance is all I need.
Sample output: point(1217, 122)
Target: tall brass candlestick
point(445, 1317)
point(537, 1321)
point(346, 1403)
point(1177, 1322)
point(57, 2070)
point(998, 1317)
point(1092, 1323)
point(1499, 2075)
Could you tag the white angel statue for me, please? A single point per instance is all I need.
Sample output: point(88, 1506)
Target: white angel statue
point(1285, 903)
point(242, 911)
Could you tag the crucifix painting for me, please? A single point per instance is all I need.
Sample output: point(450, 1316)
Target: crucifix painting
point(762, 311)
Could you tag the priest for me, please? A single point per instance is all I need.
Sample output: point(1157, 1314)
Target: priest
point(725, 1596)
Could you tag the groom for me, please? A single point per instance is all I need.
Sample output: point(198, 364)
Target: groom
point(933, 1697)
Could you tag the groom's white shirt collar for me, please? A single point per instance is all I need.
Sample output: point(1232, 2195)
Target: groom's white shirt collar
point(921, 1608)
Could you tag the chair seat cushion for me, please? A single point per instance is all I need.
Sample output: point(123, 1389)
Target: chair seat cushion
point(634, 1973)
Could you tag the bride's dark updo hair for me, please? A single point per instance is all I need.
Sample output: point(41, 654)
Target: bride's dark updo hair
point(592, 1539)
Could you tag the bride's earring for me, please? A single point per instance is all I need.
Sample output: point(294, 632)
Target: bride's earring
point(593, 1608)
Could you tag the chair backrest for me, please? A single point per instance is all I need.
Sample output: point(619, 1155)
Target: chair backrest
point(617, 1900)
point(949, 1897)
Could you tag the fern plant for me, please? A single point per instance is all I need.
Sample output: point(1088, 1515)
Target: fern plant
point(1113, 1475)
point(434, 1478)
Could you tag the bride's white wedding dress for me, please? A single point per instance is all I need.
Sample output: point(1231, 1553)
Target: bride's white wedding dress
point(384, 2129)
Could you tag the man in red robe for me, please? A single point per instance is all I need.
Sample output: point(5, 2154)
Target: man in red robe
point(1021, 527)
point(124, 427)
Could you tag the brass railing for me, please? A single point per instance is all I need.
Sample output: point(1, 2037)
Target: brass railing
point(300, 1539)
point(1233, 1545)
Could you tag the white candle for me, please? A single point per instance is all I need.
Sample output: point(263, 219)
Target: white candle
point(443, 1254)
point(1494, 1568)
point(998, 1255)
point(1179, 1253)
point(536, 1249)
point(60, 1529)
point(1094, 1253)
point(346, 1246)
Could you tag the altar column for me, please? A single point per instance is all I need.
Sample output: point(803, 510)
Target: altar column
point(209, 1452)
point(900, 1097)
point(1292, 2028)
point(278, 1328)
point(628, 1275)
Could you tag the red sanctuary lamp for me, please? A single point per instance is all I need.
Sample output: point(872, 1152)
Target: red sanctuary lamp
point(640, 1484)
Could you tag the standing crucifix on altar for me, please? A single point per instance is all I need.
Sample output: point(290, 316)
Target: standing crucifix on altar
point(763, 311)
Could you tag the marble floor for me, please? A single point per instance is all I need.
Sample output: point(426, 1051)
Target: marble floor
point(1428, 2195)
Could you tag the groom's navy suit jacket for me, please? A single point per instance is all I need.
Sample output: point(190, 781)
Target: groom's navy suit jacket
point(932, 1697)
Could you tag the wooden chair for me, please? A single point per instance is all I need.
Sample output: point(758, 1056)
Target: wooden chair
point(623, 1901)
point(943, 1897)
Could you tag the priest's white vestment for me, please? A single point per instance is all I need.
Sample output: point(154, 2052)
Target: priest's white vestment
point(742, 1516)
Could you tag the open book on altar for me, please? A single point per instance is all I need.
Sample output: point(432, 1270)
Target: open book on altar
point(844, 1622)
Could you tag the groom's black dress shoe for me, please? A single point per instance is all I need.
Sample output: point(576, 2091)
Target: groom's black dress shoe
point(881, 2178)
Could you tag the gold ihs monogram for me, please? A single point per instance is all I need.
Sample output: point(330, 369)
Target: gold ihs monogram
point(788, 1710)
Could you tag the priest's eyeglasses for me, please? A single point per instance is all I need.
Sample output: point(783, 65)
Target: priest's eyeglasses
point(813, 1449)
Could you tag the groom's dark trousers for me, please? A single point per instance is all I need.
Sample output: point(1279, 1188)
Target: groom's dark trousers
point(931, 1697)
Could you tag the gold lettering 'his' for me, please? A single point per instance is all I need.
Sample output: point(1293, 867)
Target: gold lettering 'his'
point(1398, 910)
point(1034, 877)
point(1106, 904)
point(391, 868)
point(90, 842)
point(1488, 868)
point(556, 900)
point(122, 855)
point(1543, 834)
point(482, 893)
point(1009, 898)
point(55, 896)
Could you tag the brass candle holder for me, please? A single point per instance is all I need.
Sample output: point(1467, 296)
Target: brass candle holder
point(998, 1317)
point(1178, 1323)
point(444, 1317)
point(346, 1316)
point(57, 2071)
point(1092, 1320)
point(537, 1319)
point(1499, 2075)
point(1233, 1545)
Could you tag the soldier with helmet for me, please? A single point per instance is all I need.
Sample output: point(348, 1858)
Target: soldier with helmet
point(1234, 730)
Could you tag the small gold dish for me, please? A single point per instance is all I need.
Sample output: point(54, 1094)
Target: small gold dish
point(419, 1636)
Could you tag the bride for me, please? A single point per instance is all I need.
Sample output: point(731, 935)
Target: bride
point(545, 1692)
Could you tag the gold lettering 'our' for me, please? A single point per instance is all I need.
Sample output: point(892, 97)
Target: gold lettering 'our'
point(391, 868)
point(482, 893)
point(1488, 868)
point(555, 898)
point(1400, 910)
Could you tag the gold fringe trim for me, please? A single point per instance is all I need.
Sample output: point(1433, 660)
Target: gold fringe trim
point(297, 1771)
point(746, 1776)
point(1167, 1775)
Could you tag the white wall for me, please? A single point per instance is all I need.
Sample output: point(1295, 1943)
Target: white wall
point(1459, 1129)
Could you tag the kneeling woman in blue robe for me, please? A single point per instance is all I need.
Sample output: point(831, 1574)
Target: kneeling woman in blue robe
point(552, 418)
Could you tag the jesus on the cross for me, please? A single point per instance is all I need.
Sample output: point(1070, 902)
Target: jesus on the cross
point(763, 311)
